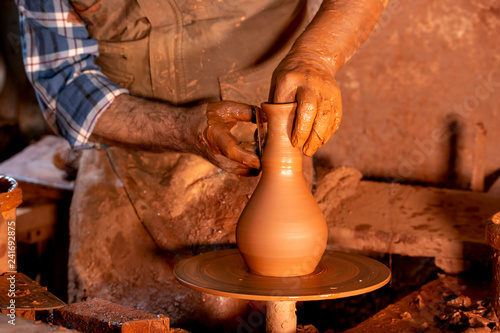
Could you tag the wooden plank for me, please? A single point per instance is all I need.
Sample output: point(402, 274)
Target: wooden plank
point(28, 294)
point(413, 221)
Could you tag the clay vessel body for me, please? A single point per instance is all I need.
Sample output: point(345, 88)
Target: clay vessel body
point(281, 231)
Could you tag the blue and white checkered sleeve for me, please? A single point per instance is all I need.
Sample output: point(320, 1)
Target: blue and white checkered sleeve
point(59, 57)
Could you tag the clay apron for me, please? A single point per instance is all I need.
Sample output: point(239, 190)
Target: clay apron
point(185, 52)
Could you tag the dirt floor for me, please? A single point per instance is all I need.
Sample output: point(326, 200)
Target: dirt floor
point(447, 303)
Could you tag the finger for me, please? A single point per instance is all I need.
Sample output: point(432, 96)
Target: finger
point(240, 112)
point(234, 167)
point(245, 171)
point(285, 90)
point(320, 131)
point(229, 112)
point(237, 168)
point(234, 152)
point(306, 113)
point(336, 117)
point(229, 147)
point(249, 146)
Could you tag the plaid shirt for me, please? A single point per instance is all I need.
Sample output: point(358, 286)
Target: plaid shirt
point(59, 59)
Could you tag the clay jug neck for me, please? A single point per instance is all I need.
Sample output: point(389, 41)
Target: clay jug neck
point(279, 154)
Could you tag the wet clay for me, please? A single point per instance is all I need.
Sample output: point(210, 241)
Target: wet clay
point(281, 231)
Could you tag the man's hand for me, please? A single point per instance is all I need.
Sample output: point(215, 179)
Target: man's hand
point(309, 81)
point(203, 130)
point(225, 151)
point(307, 74)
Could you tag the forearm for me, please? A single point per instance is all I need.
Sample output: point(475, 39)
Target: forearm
point(149, 125)
point(203, 130)
point(338, 30)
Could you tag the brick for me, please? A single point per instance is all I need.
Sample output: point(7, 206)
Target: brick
point(98, 315)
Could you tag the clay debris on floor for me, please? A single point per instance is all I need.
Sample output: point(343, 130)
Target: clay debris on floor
point(448, 304)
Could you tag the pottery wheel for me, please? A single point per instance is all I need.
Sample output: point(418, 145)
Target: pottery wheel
point(338, 275)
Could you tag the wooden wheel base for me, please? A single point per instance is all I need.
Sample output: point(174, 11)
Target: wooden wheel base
point(338, 275)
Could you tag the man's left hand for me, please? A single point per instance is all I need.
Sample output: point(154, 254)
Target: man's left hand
point(310, 82)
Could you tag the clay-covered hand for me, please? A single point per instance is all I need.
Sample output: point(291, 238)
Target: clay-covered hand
point(308, 80)
point(223, 149)
point(137, 123)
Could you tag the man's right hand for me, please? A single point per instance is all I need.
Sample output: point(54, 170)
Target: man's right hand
point(225, 150)
point(204, 130)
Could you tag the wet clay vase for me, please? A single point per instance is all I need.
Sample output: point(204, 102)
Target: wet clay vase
point(281, 231)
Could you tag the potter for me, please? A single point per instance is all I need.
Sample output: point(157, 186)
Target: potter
point(164, 83)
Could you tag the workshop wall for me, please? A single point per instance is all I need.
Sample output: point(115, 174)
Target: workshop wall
point(414, 92)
